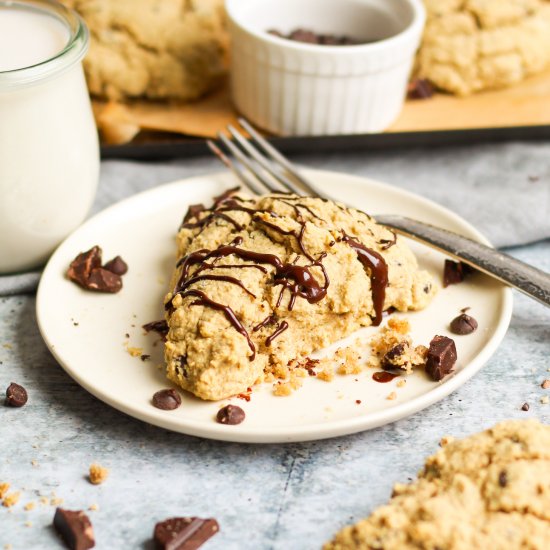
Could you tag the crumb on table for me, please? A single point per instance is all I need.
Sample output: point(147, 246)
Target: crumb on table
point(98, 474)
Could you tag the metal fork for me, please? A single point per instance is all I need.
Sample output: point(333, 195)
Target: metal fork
point(262, 168)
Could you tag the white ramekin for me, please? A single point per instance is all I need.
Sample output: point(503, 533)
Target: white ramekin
point(292, 88)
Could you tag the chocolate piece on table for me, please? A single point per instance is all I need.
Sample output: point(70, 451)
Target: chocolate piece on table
point(81, 267)
point(420, 88)
point(463, 324)
point(231, 414)
point(184, 533)
point(75, 529)
point(167, 400)
point(16, 395)
point(117, 265)
point(102, 280)
point(525, 407)
point(441, 357)
point(455, 272)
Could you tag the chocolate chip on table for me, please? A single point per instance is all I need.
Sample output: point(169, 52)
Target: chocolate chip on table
point(117, 265)
point(184, 533)
point(525, 407)
point(102, 280)
point(420, 88)
point(231, 414)
point(463, 324)
point(16, 395)
point(75, 529)
point(441, 357)
point(81, 267)
point(167, 400)
point(455, 272)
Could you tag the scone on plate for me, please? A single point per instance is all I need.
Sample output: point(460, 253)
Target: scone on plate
point(154, 49)
point(473, 45)
point(490, 490)
point(263, 281)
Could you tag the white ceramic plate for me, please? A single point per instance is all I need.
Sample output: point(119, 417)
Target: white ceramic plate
point(86, 332)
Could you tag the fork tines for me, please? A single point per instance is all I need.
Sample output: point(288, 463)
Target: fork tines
point(258, 165)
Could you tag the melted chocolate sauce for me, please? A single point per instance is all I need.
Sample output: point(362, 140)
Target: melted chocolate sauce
point(225, 278)
point(207, 219)
point(384, 376)
point(204, 300)
point(388, 243)
point(267, 321)
point(281, 327)
point(374, 262)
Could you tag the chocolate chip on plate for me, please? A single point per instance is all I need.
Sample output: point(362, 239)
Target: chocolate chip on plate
point(455, 272)
point(184, 533)
point(117, 265)
point(102, 280)
point(441, 357)
point(231, 414)
point(75, 529)
point(16, 395)
point(167, 400)
point(463, 324)
point(81, 267)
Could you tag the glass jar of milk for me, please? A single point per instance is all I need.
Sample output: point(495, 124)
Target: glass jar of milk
point(49, 155)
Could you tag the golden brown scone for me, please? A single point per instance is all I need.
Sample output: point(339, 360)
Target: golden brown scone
point(472, 45)
point(490, 490)
point(154, 49)
point(311, 289)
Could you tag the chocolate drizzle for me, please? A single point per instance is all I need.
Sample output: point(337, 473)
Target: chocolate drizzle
point(388, 243)
point(384, 377)
point(204, 300)
point(378, 268)
point(281, 327)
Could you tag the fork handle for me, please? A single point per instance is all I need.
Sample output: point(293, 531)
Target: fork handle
point(528, 279)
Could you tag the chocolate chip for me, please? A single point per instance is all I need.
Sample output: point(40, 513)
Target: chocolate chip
point(16, 395)
point(167, 400)
point(81, 267)
point(231, 414)
point(463, 324)
point(420, 88)
point(75, 529)
point(145, 357)
point(102, 280)
point(184, 533)
point(160, 327)
point(117, 265)
point(389, 359)
point(455, 272)
point(502, 479)
point(441, 357)
point(525, 407)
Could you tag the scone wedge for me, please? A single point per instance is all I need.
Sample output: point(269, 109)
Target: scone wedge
point(262, 281)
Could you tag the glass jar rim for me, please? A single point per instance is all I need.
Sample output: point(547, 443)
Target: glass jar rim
point(72, 53)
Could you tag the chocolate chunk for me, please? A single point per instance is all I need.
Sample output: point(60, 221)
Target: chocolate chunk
point(463, 324)
point(441, 357)
point(16, 395)
point(502, 479)
point(389, 359)
point(117, 265)
point(420, 88)
point(102, 280)
point(525, 407)
point(81, 267)
point(304, 35)
point(184, 533)
point(160, 327)
point(167, 400)
point(231, 414)
point(455, 272)
point(75, 528)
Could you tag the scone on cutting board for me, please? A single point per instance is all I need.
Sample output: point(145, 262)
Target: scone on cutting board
point(474, 45)
point(261, 282)
point(488, 491)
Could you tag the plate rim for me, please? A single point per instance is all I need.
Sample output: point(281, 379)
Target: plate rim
point(309, 432)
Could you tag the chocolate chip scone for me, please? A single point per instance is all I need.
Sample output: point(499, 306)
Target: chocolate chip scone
point(490, 490)
point(154, 49)
point(472, 45)
point(261, 282)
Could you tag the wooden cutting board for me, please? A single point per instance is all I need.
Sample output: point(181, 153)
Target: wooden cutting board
point(525, 104)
